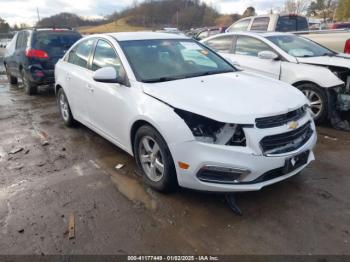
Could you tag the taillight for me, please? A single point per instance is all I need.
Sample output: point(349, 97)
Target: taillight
point(33, 53)
point(347, 47)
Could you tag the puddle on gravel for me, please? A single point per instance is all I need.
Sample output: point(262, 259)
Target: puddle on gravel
point(131, 187)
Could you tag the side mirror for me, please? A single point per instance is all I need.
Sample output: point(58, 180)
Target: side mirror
point(107, 75)
point(269, 55)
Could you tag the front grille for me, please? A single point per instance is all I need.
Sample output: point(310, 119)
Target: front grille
point(286, 142)
point(280, 120)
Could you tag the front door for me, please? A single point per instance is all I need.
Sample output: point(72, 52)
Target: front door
point(245, 55)
point(108, 102)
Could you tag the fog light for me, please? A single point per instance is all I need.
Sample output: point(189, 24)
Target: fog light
point(221, 175)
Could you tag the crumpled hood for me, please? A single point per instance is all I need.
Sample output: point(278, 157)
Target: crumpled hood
point(238, 97)
point(341, 60)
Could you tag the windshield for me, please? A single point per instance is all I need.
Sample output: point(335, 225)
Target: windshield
point(299, 47)
point(166, 60)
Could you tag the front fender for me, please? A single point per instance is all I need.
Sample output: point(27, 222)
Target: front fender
point(322, 76)
point(163, 118)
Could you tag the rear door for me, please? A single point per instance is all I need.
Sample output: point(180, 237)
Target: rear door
point(245, 55)
point(77, 73)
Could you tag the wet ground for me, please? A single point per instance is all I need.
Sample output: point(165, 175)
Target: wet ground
point(60, 172)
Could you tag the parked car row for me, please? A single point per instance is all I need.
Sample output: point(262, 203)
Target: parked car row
point(187, 115)
point(336, 40)
point(202, 33)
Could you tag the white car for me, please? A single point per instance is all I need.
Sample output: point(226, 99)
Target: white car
point(322, 75)
point(185, 114)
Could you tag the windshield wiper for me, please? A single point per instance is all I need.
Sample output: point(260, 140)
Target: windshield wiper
point(207, 73)
point(161, 79)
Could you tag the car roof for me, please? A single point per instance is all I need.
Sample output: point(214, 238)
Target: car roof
point(128, 36)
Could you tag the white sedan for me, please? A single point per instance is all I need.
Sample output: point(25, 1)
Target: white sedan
point(322, 75)
point(187, 116)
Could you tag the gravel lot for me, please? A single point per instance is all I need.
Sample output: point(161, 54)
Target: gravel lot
point(60, 171)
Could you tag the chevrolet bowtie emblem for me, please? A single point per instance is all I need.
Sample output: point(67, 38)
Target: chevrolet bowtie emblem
point(293, 125)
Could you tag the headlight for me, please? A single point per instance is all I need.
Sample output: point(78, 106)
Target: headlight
point(211, 131)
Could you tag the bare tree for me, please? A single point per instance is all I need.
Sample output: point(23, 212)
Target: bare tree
point(296, 6)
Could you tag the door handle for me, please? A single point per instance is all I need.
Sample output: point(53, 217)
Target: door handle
point(90, 89)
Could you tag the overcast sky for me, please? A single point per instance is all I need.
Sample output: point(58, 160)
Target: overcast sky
point(24, 11)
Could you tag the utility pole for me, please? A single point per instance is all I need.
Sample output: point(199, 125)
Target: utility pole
point(37, 11)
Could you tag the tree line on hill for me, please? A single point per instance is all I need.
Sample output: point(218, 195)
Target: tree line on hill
point(186, 14)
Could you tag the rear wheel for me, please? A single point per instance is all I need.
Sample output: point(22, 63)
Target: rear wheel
point(154, 159)
point(318, 100)
point(64, 108)
point(12, 80)
point(29, 87)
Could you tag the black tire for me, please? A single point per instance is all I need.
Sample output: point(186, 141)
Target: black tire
point(310, 88)
point(12, 79)
point(29, 87)
point(66, 115)
point(168, 182)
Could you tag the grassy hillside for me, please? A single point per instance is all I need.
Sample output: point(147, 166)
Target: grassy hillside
point(118, 26)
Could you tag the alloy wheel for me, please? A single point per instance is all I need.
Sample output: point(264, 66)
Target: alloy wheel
point(151, 159)
point(315, 101)
point(64, 107)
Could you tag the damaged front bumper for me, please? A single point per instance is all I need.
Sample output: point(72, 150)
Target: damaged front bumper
point(343, 102)
point(247, 168)
point(342, 94)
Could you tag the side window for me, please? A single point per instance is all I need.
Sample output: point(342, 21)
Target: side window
point(250, 46)
point(105, 55)
point(19, 40)
point(80, 54)
point(240, 26)
point(260, 24)
point(25, 39)
point(221, 44)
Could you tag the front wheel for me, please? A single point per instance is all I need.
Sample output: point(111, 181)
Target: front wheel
point(318, 100)
point(154, 159)
point(29, 87)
